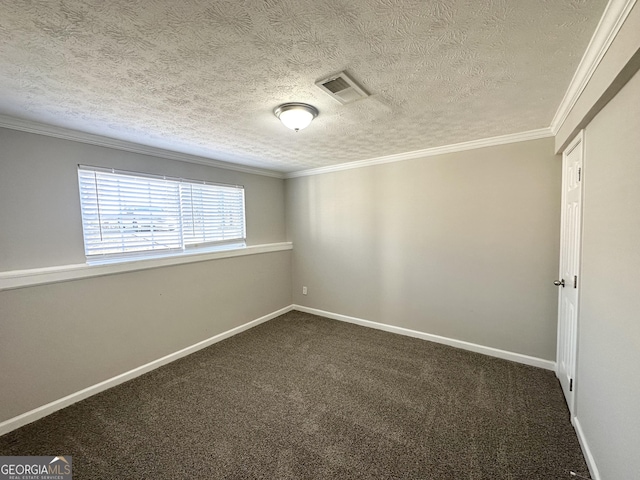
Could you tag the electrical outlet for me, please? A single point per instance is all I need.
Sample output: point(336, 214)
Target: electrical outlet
point(304, 290)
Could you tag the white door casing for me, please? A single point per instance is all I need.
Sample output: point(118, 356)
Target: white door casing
point(569, 288)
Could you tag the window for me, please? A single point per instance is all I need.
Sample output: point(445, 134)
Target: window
point(125, 213)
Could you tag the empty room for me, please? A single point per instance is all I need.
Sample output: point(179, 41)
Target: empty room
point(313, 239)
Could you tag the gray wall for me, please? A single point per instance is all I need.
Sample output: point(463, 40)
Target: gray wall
point(463, 245)
point(608, 380)
point(60, 338)
point(40, 214)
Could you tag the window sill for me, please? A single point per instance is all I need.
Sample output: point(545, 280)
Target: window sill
point(64, 273)
point(141, 256)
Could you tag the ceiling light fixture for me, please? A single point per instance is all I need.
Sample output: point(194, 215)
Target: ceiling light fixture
point(296, 116)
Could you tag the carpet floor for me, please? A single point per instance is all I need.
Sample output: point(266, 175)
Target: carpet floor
point(305, 397)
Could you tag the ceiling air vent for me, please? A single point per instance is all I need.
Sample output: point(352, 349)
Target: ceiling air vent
point(342, 88)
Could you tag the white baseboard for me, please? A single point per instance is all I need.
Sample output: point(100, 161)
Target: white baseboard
point(473, 347)
point(591, 463)
point(37, 413)
point(49, 408)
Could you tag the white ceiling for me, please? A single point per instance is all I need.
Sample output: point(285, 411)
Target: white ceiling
point(203, 77)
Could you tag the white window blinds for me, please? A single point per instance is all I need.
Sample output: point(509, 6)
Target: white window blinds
point(127, 213)
point(211, 214)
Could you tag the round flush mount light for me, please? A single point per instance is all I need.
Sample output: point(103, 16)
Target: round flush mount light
point(296, 116)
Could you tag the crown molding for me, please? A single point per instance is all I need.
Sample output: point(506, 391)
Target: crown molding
point(101, 141)
point(428, 152)
point(615, 13)
point(30, 126)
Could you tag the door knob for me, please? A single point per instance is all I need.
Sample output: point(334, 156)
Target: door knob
point(559, 283)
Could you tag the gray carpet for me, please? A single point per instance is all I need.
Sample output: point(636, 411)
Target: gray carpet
point(302, 397)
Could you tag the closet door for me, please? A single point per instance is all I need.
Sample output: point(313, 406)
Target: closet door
point(569, 282)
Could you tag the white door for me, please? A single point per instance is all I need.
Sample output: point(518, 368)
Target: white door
point(569, 282)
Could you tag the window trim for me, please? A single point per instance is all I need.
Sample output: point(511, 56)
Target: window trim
point(155, 176)
point(11, 280)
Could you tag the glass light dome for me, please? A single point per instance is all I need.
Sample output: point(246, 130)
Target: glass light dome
point(296, 116)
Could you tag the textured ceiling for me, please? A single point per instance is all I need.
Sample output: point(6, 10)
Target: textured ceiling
point(203, 77)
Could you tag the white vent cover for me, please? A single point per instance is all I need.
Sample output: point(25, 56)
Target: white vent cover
point(342, 88)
